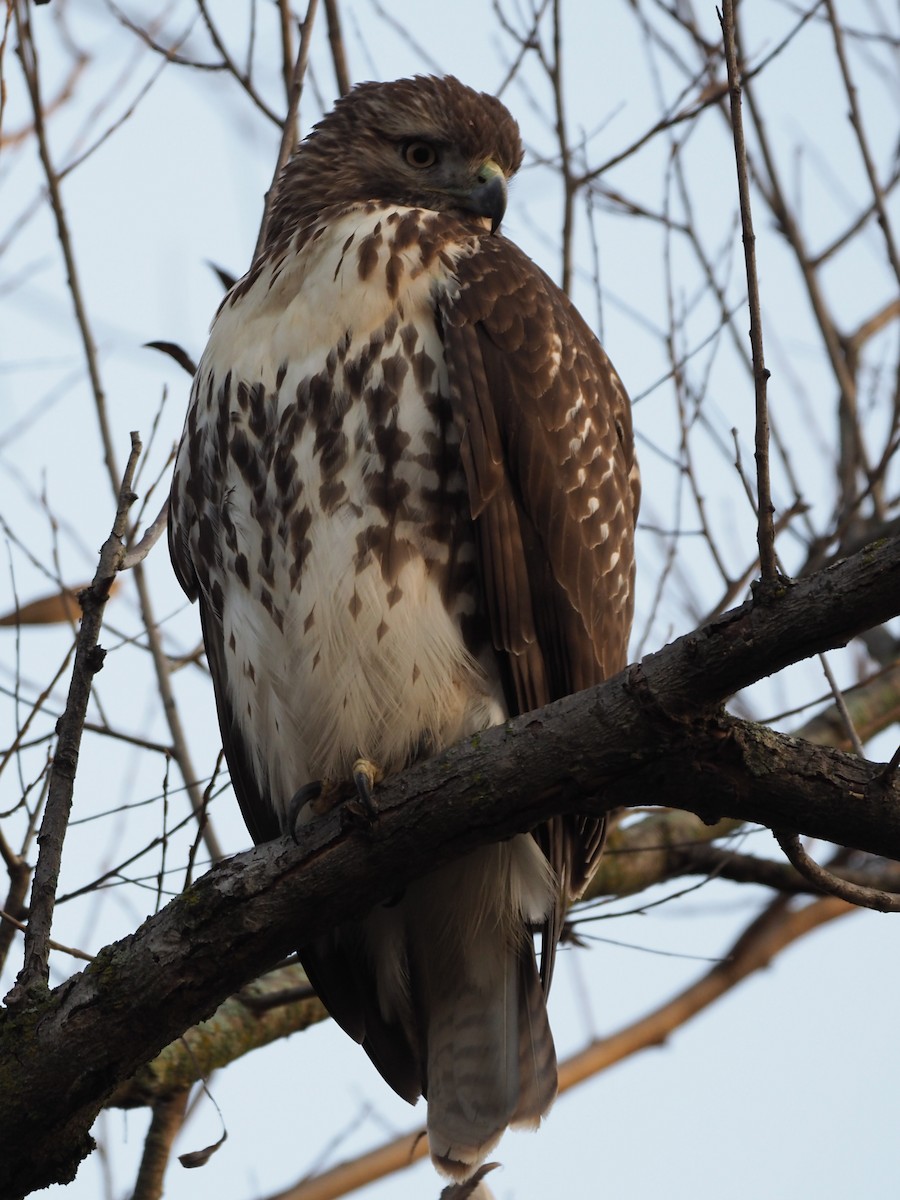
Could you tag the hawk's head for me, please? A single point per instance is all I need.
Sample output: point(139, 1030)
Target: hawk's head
point(425, 142)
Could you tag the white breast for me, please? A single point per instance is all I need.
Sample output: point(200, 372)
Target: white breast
point(356, 653)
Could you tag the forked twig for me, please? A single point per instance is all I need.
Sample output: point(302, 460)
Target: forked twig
point(88, 661)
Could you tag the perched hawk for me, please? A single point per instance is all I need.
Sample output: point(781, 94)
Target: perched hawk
point(405, 498)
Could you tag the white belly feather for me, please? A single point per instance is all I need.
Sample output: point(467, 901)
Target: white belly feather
point(363, 661)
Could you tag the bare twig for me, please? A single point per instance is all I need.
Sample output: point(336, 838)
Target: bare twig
point(853, 448)
point(847, 235)
point(168, 1116)
point(286, 30)
point(338, 50)
point(19, 872)
point(88, 661)
point(873, 325)
point(765, 509)
point(4, 40)
point(242, 77)
point(28, 55)
point(555, 71)
point(36, 707)
point(831, 884)
point(863, 141)
point(13, 924)
point(703, 859)
point(712, 94)
point(841, 705)
point(289, 132)
point(777, 927)
point(151, 536)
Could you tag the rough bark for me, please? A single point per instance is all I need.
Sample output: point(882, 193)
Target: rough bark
point(654, 734)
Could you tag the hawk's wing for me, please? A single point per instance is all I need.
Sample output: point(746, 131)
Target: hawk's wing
point(198, 502)
point(554, 490)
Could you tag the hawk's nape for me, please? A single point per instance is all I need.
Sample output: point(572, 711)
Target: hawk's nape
point(405, 498)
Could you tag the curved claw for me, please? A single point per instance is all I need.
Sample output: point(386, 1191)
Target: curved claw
point(365, 775)
point(306, 795)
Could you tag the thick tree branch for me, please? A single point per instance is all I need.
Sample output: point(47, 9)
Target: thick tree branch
point(281, 1002)
point(237, 1027)
point(654, 734)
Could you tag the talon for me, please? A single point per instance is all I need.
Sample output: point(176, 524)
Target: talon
point(317, 797)
point(304, 797)
point(365, 775)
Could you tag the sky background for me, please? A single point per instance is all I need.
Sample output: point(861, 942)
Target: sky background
point(786, 1087)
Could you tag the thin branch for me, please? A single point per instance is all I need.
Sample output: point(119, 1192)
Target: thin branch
point(22, 926)
point(19, 872)
point(150, 537)
point(853, 449)
point(168, 1117)
point(844, 238)
point(706, 860)
point(712, 94)
point(826, 881)
point(555, 71)
point(873, 325)
point(89, 657)
point(289, 132)
point(241, 76)
point(859, 129)
point(841, 706)
point(338, 50)
point(765, 508)
point(775, 928)
point(27, 53)
point(286, 23)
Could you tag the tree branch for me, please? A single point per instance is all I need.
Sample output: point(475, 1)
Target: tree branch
point(237, 1027)
point(289, 131)
point(88, 661)
point(168, 1117)
point(826, 881)
point(655, 733)
point(765, 508)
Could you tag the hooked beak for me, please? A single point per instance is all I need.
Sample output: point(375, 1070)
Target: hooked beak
point(488, 197)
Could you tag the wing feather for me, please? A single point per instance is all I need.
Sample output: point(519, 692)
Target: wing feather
point(549, 461)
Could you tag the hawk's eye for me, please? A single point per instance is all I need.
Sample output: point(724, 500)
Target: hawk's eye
point(419, 154)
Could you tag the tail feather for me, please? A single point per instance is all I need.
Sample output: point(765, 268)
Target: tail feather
point(488, 1051)
point(473, 1072)
point(491, 1065)
point(537, 1053)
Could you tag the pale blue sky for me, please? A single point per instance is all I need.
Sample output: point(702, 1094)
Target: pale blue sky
point(785, 1088)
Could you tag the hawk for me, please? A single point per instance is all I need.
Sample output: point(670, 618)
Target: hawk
point(405, 498)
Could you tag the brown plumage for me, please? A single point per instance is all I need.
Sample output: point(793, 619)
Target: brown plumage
point(405, 498)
